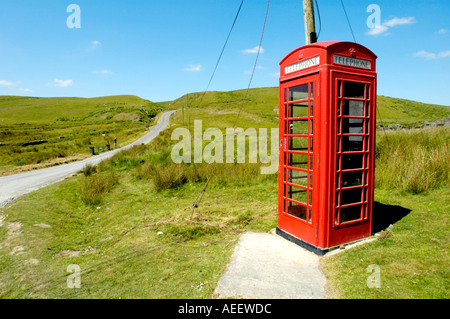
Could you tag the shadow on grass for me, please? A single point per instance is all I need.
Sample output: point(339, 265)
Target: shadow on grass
point(384, 215)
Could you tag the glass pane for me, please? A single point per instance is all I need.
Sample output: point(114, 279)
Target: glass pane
point(350, 213)
point(298, 127)
point(351, 196)
point(353, 108)
point(352, 126)
point(298, 109)
point(298, 160)
point(312, 90)
point(368, 109)
point(298, 178)
point(296, 210)
point(298, 92)
point(354, 89)
point(351, 179)
point(367, 143)
point(367, 126)
point(352, 161)
point(352, 143)
point(298, 144)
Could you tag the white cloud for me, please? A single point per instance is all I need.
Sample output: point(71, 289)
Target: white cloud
point(96, 43)
point(194, 68)
point(442, 31)
point(6, 83)
point(254, 50)
point(25, 90)
point(62, 83)
point(444, 54)
point(275, 75)
point(384, 27)
point(431, 55)
point(379, 29)
point(103, 72)
point(399, 21)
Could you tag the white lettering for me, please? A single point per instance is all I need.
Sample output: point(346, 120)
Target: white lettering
point(214, 151)
point(302, 65)
point(74, 280)
point(195, 309)
point(74, 20)
point(246, 308)
point(337, 59)
point(374, 20)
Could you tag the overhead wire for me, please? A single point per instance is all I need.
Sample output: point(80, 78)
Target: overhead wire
point(320, 21)
point(200, 195)
point(223, 49)
point(348, 21)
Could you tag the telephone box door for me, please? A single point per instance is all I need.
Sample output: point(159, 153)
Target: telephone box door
point(297, 201)
point(354, 119)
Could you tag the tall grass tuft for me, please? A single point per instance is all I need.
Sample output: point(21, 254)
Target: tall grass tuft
point(169, 175)
point(96, 185)
point(415, 161)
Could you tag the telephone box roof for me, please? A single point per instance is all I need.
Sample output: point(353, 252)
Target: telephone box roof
point(332, 46)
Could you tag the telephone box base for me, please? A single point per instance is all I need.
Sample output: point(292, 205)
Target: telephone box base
point(317, 250)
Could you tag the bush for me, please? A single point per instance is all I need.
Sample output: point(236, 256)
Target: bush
point(414, 161)
point(167, 176)
point(95, 186)
point(89, 169)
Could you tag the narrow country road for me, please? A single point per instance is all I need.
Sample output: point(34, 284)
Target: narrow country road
point(17, 185)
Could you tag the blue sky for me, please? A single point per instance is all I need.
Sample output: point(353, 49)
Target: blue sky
point(161, 50)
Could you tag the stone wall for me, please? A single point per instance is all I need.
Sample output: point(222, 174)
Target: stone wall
point(436, 123)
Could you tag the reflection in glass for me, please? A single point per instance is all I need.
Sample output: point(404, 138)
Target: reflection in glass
point(298, 109)
point(353, 108)
point(298, 92)
point(353, 90)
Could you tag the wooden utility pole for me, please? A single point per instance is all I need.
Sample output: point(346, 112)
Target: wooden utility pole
point(310, 27)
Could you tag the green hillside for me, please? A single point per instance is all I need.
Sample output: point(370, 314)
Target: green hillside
point(70, 125)
point(263, 101)
point(37, 110)
point(67, 127)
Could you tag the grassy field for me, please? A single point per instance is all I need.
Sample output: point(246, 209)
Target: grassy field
point(68, 125)
point(130, 237)
point(128, 223)
point(412, 186)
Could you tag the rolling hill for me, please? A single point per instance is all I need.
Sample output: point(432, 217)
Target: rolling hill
point(49, 131)
point(69, 126)
point(263, 101)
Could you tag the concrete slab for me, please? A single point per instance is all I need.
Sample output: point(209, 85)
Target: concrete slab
point(266, 266)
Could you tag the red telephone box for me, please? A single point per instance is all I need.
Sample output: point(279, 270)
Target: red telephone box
point(327, 144)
